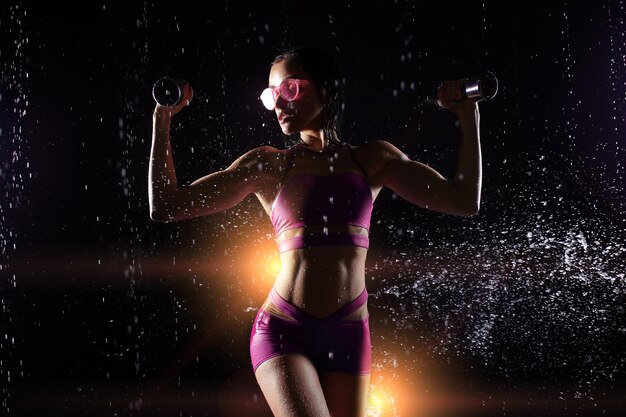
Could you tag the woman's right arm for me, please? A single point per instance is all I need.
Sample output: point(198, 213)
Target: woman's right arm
point(213, 193)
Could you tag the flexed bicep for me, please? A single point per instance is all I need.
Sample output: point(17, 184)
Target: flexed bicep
point(214, 192)
point(418, 183)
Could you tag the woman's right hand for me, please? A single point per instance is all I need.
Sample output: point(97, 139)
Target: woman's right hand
point(171, 111)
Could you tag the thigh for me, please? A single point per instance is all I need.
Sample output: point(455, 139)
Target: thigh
point(291, 386)
point(346, 395)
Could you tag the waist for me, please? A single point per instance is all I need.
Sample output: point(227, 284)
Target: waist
point(317, 304)
point(322, 279)
point(322, 235)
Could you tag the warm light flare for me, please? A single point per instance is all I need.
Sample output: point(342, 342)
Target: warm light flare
point(390, 393)
point(261, 266)
point(396, 390)
point(380, 401)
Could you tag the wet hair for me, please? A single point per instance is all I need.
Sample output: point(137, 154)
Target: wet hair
point(327, 76)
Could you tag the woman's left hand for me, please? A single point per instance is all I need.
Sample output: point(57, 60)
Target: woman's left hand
point(450, 97)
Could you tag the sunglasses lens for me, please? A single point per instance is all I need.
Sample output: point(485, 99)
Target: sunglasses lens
point(268, 99)
point(289, 89)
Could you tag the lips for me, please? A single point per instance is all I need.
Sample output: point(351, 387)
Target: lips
point(283, 116)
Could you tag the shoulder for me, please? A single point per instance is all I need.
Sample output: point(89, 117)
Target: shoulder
point(266, 161)
point(385, 150)
point(380, 151)
point(258, 155)
point(259, 152)
point(375, 156)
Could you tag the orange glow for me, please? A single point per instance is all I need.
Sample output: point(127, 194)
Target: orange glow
point(391, 394)
point(380, 401)
point(260, 266)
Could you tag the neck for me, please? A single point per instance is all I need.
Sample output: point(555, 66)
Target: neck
point(315, 140)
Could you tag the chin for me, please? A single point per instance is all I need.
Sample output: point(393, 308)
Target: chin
point(288, 129)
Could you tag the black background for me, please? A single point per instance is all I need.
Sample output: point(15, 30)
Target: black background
point(518, 310)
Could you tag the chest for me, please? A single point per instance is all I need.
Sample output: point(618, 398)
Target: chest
point(313, 176)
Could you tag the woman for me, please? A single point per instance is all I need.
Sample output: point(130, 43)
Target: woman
point(310, 341)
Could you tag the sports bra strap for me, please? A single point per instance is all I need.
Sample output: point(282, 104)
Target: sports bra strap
point(357, 162)
point(292, 153)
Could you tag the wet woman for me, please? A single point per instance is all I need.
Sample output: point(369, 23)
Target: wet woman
point(310, 341)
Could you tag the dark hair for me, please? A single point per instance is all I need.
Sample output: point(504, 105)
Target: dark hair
point(326, 74)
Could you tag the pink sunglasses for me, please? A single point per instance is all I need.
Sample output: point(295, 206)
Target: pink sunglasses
point(289, 89)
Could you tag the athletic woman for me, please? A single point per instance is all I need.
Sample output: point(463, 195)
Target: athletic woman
point(310, 341)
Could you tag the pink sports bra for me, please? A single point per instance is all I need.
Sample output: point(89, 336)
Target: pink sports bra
point(343, 198)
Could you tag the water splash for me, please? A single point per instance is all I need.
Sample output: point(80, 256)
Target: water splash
point(16, 175)
point(548, 299)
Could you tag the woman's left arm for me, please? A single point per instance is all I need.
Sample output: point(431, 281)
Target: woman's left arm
point(425, 187)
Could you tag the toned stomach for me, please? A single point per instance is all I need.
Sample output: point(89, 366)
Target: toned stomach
point(321, 279)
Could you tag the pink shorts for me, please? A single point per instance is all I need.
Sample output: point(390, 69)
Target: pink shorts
point(332, 344)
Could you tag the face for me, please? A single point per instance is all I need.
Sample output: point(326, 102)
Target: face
point(305, 112)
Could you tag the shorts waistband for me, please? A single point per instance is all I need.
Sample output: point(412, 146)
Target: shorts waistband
point(300, 315)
